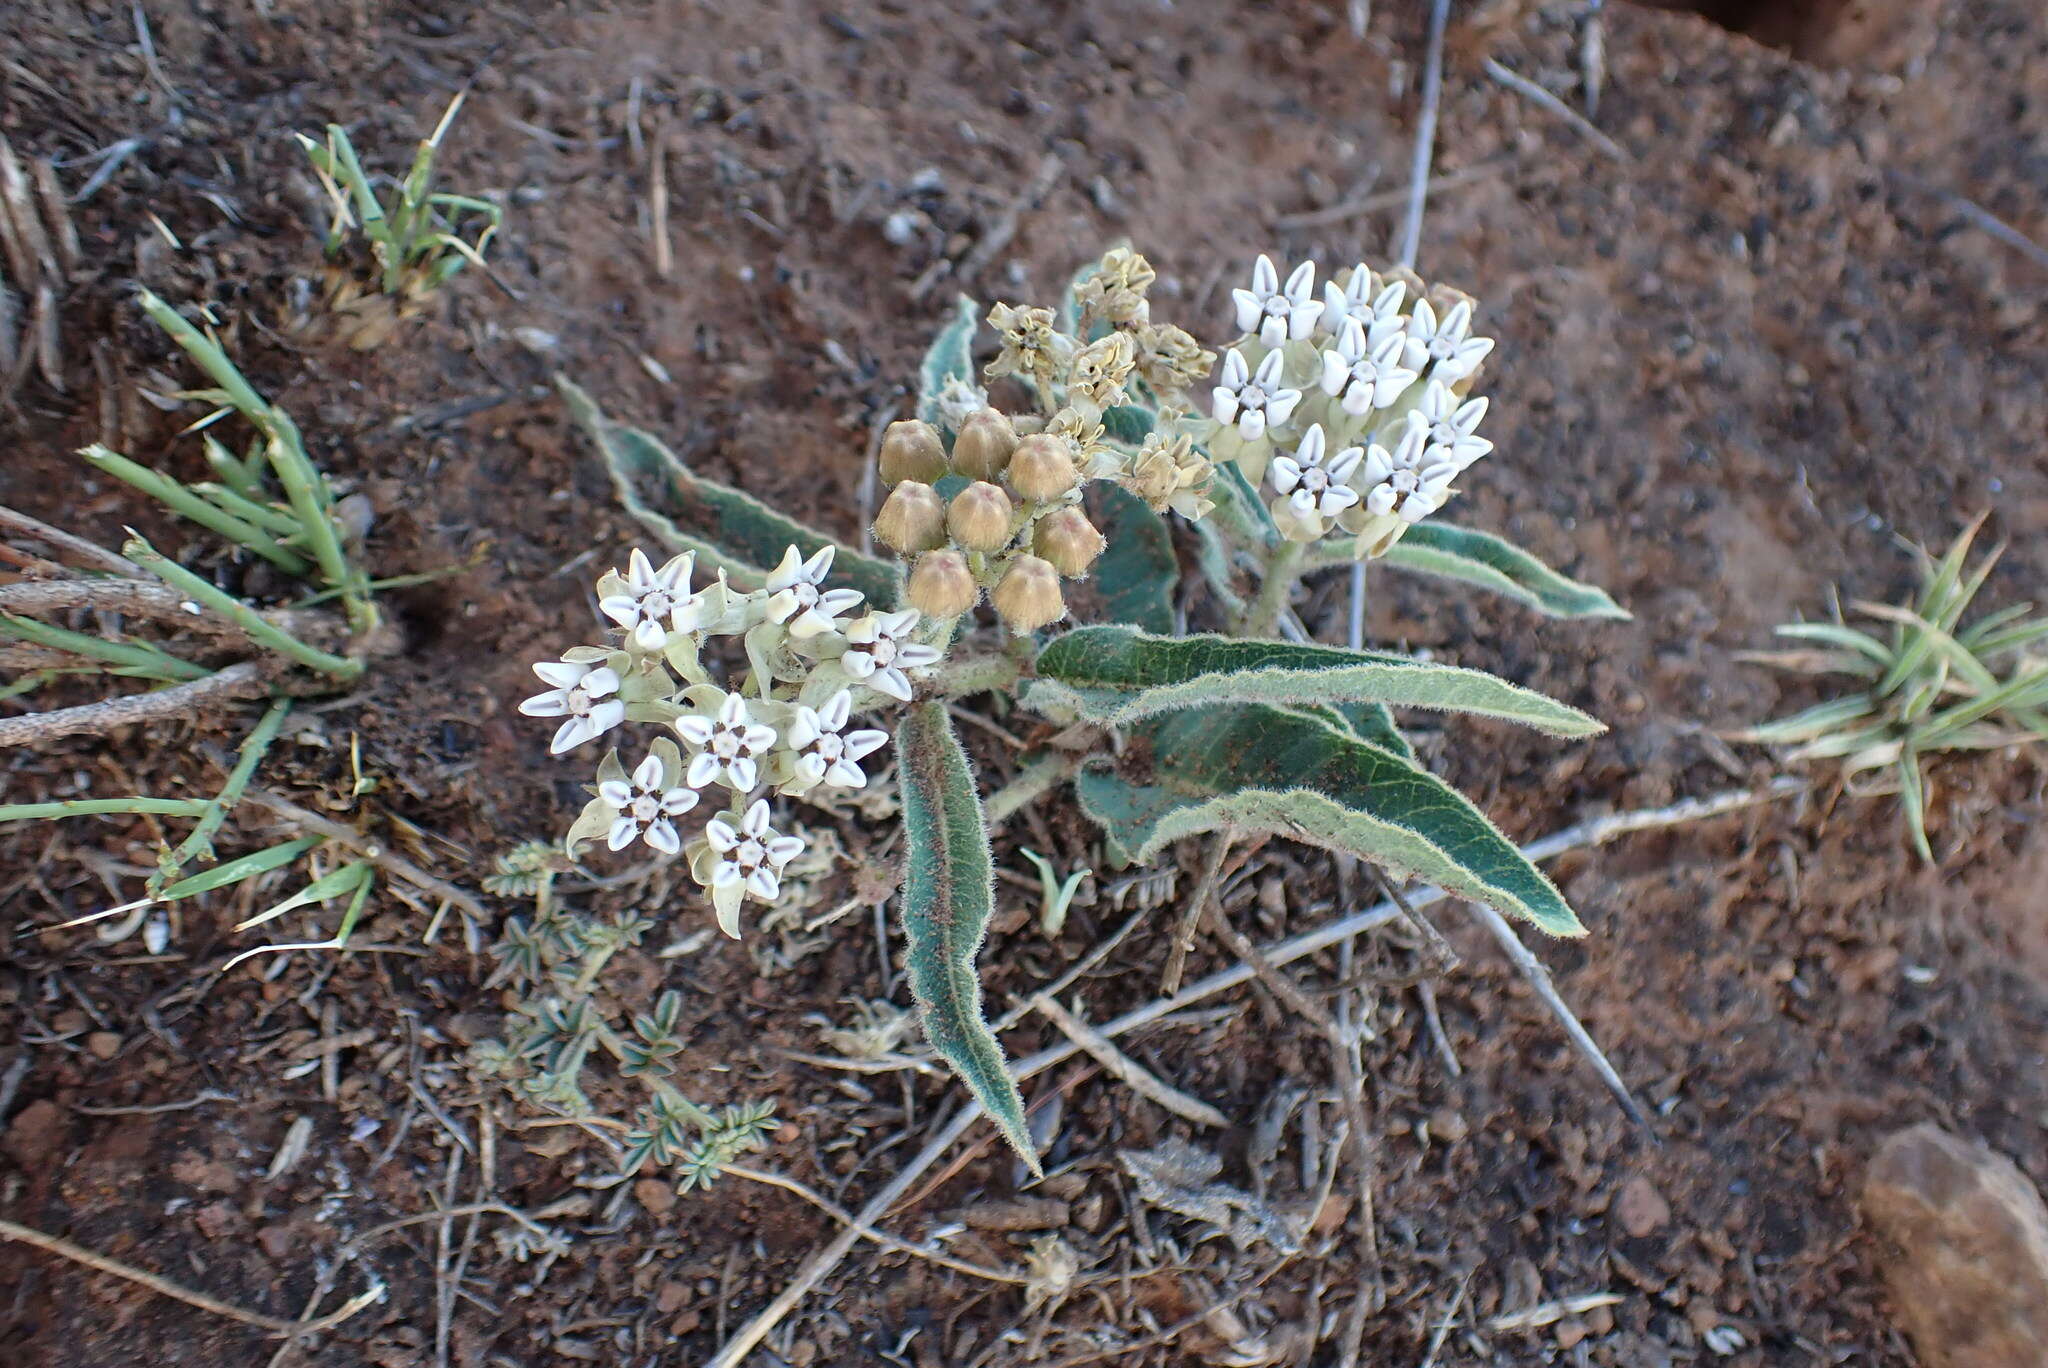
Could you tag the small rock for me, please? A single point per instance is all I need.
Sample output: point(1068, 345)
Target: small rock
point(658, 1197)
point(278, 1242)
point(1964, 1239)
point(103, 1044)
point(671, 1297)
point(1640, 1208)
point(38, 1130)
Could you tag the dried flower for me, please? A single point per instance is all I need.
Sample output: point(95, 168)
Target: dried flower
point(1032, 347)
point(1068, 541)
point(1449, 427)
point(982, 448)
point(1171, 360)
point(1444, 346)
point(1254, 402)
point(1101, 368)
point(748, 863)
point(728, 742)
point(979, 517)
point(1312, 479)
point(1365, 374)
point(653, 602)
point(646, 803)
point(826, 752)
point(1083, 432)
point(879, 649)
point(1168, 473)
point(911, 450)
point(584, 692)
point(1043, 467)
point(1278, 314)
point(941, 586)
point(1115, 291)
point(913, 518)
point(798, 597)
point(1028, 596)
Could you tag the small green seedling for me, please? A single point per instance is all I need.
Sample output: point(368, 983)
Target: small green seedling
point(1058, 893)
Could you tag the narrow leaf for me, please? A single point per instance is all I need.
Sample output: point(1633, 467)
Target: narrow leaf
point(727, 528)
point(1295, 775)
point(234, 871)
point(1479, 558)
point(947, 900)
point(1115, 675)
point(1137, 573)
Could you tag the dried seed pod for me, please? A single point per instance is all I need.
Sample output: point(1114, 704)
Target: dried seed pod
point(1042, 468)
point(941, 586)
point(911, 450)
point(1068, 541)
point(982, 449)
point(979, 518)
point(913, 518)
point(1029, 595)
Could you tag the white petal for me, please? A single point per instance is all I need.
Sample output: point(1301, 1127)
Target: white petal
point(820, 564)
point(1335, 500)
point(804, 730)
point(1381, 501)
point(647, 774)
point(649, 636)
point(1248, 309)
point(561, 673)
point(694, 728)
point(661, 835)
point(892, 682)
point(1268, 374)
point(1285, 472)
point(864, 742)
point(1301, 318)
point(1358, 398)
point(763, 884)
point(783, 849)
point(704, 767)
point(811, 768)
point(639, 570)
point(809, 623)
point(551, 704)
point(1310, 452)
point(601, 681)
point(616, 792)
point(742, 774)
point(1265, 279)
point(781, 606)
point(720, 834)
point(1336, 373)
point(1224, 407)
point(678, 801)
point(787, 571)
point(757, 738)
point(622, 832)
point(1344, 462)
point(1273, 331)
point(1235, 371)
point(723, 875)
point(846, 775)
point(675, 575)
point(1251, 424)
point(755, 823)
point(912, 655)
point(1422, 321)
point(570, 735)
point(1281, 406)
point(838, 708)
point(623, 609)
point(1301, 282)
point(606, 715)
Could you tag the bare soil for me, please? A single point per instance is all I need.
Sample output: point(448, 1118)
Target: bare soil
point(1738, 362)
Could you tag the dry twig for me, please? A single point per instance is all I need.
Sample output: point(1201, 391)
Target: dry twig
point(1127, 1070)
point(244, 680)
point(1522, 85)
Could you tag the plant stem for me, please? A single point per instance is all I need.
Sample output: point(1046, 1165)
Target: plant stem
point(102, 807)
point(1283, 569)
point(179, 499)
point(230, 794)
point(978, 674)
point(259, 629)
point(143, 660)
point(1035, 780)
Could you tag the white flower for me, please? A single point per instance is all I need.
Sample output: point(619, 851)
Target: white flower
point(1449, 426)
point(1445, 344)
point(797, 598)
point(645, 808)
point(654, 598)
point(1376, 304)
point(1312, 480)
point(1406, 481)
point(727, 743)
point(879, 652)
point(827, 752)
point(583, 693)
point(750, 859)
point(1368, 375)
point(1254, 402)
point(1275, 313)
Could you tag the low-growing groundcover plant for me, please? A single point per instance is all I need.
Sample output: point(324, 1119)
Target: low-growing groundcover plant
point(771, 663)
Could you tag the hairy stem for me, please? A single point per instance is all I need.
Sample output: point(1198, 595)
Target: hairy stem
point(1283, 569)
point(977, 674)
point(1035, 780)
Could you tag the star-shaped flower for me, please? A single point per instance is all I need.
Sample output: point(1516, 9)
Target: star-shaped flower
point(645, 808)
point(879, 652)
point(750, 861)
point(655, 602)
point(727, 744)
point(584, 693)
point(1449, 426)
point(1278, 313)
point(798, 597)
point(1369, 376)
point(826, 752)
point(1374, 302)
point(1405, 481)
point(1254, 402)
point(1313, 478)
point(1444, 345)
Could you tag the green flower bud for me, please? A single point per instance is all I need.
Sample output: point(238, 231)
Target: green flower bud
point(1029, 595)
point(911, 450)
point(941, 586)
point(913, 518)
point(1068, 540)
point(982, 448)
point(979, 518)
point(1042, 468)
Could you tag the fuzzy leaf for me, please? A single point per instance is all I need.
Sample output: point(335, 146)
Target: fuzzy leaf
point(949, 358)
point(1115, 675)
point(1138, 571)
point(1460, 553)
point(1370, 722)
point(947, 899)
point(1262, 769)
point(1130, 424)
point(733, 530)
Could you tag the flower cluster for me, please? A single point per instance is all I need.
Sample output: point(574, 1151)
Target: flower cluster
point(1353, 406)
point(1009, 521)
point(816, 655)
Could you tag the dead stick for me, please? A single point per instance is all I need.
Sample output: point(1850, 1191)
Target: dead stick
point(143, 598)
point(1521, 84)
point(236, 681)
point(1132, 1074)
point(58, 537)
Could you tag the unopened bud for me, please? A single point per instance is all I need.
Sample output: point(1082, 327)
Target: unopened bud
point(1029, 595)
point(982, 448)
point(979, 518)
point(1042, 469)
point(1068, 540)
point(913, 518)
point(941, 585)
point(911, 450)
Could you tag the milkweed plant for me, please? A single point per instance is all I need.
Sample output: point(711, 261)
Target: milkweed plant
point(1031, 544)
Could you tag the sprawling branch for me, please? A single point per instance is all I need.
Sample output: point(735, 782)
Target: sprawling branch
point(180, 700)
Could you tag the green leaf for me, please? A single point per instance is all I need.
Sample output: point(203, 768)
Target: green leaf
point(1130, 424)
point(350, 878)
point(947, 899)
point(234, 871)
point(1370, 722)
point(1115, 675)
point(949, 359)
point(1138, 571)
point(1460, 553)
point(1263, 769)
point(735, 531)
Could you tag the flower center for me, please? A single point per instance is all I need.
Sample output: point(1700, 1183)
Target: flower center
point(1443, 433)
point(656, 604)
point(883, 652)
point(830, 748)
point(725, 745)
point(579, 701)
point(646, 807)
point(750, 855)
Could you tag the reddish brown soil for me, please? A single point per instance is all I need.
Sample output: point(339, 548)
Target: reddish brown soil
point(1736, 364)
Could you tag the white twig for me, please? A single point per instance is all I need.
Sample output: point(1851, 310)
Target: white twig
point(1121, 1066)
point(1522, 85)
point(1589, 833)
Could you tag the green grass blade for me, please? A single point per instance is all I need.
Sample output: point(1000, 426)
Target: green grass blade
point(135, 658)
point(1835, 634)
point(234, 871)
point(102, 807)
point(187, 503)
point(348, 879)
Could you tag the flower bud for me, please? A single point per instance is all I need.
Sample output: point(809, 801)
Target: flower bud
point(911, 450)
point(913, 518)
point(1029, 595)
point(982, 448)
point(980, 517)
point(941, 585)
point(1042, 469)
point(1068, 540)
